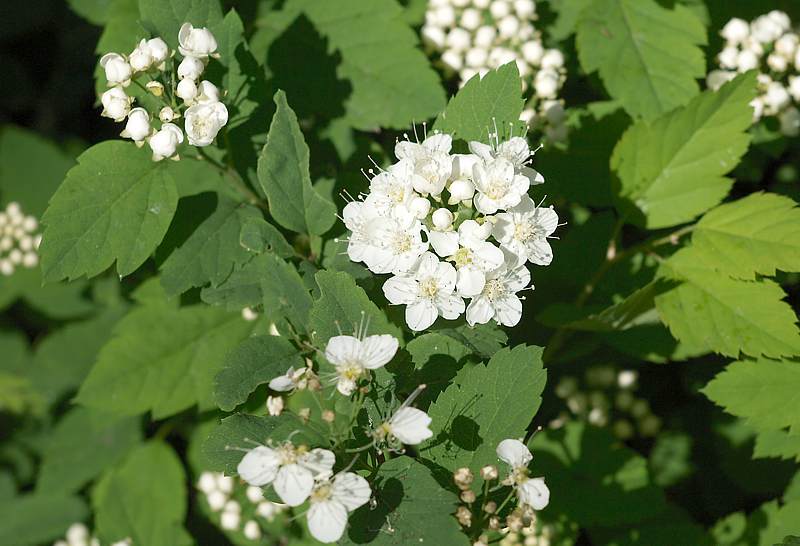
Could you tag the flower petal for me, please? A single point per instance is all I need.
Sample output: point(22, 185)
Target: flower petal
point(410, 426)
point(343, 349)
point(318, 461)
point(327, 520)
point(293, 484)
point(401, 290)
point(259, 466)
point(351, 490)
point(534, 493)
point(450, 306)
point(514, 452)
point(471, 281)
point(508, 310)
point(421, 314)
point(444, 243)
point(479, 311)
point(282, 383)
point(377, 351)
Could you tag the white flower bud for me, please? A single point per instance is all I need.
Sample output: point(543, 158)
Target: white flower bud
point(476, 57)
point(746, 60)
point(766, 29)
point(527, 116)
point(777, 63)
point(786, 45)
point(275, 405)
point(499, 9)
point(460, 3)
point(13, 209)
point(206, 482)
point(190, 68)
point(207, 92)
point(790, 121)
point(794, 87)
point(230, 520)
point(249, 314)
point(433, 36)
point(717, 78)
point(30, 223)
point(140, 59)
point(458, 39)
point(777, 97)
point(546, 84)
point(553, 58)
point(484, 37)
point(524, 8)
point(216, 500)
point(780, 19)
point(758, 108)
point(225, 483)
point(6, 267)
point(252, 531)
point(138, 126)
point(233, 506)
point(481, 4)
point(196, 42)
point(116, 104)
point(167, 114)
point(500, 56)
point(187, 90)
point(736, 30)
point(728, 57)
point(508, 26)
point(444, 16)
point(6, 243)
point(471, 19)
point(30, 259)
point(254, 494)
point(554, 111)
point(117, 69)
point(165, 142)
point(524, 69)
point(420, 207)
point(442, 219)
point(77, 532)
point(158, 50)
point(460, 190)
point(156, 88)
point(452, 60)
point(267, 510)
point(203, 122)
point(533, 52)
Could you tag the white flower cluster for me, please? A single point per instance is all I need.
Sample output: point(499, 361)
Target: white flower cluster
point(767, 44)
point(204, 114)
point(19, 240)
point(78, 535)
point(472, 210)
point(220, 491)
point(476, 36)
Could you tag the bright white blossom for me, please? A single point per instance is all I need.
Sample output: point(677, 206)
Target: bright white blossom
point(497, 185)
point(191, 68)
point(531, 492)
point(203, 122)
point(524, 231)
point(354, 357)
point(116, 103)
point(117, 69)
point(499, 299)
point(196, 42)
point(158, 51)
point(140, 58)
point(165, 141)
point(431, 162)
point(138, 126)
point(410, 426)
point(331, 502)
point(186, 90)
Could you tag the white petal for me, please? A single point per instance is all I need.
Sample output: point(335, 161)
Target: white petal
point(471, 281)
point(503, 229)
point(259, 466)
point(518, 278)
point(318, 461)
point(485, 204)
point(514, 452)
point(450, 306)
point(342, 349)
point(534, 493)
point(548, 219)
point(410, 426)
point(539, 252)
point(327, 520)
point(491, 256)
point(351, 490)
point(439, 143)
point(420, 315)
point(533, 175)
point(405, 149)
point(444, 243)
point(293, 484)
point(377, 351)
point(508, 310)
point(346, 386)
point(282, 383)
point(479, 311)
point(484, 151)
point(427, 265)
point(401, 290)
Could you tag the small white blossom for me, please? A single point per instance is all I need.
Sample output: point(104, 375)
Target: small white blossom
point(203, 122)
point(158, 51)
point(736, 30)
point(498, 298)
point(332, 501)
point(431, 161)
point(353, 357)
point(196, 42)
point(167, 114)
point(138, 126)
point(396, 244)
point(116, 104)
point(165, 142)
point(207, 92)
point(410, 426)
point(141, 58)
point(531, 492)
point(524, 230)
point(251, 530)
point(186, 90)
point(191, 68)
point(117, 69)
point(498, 185)
point(275, 405)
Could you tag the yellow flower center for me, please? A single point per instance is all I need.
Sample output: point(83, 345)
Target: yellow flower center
point(429, 288)
point(462, 257)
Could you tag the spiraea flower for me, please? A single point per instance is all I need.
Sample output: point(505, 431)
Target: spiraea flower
point(165, 141)
point(409, 426)
point(19, 239)
point(117, 69)
point(355, 356)
point(531, 492)
point(203, 122)
point(137, 127)
point(332, 499)
point(196, 42)
point(524, 231)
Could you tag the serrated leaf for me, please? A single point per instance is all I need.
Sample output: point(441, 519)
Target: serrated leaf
point(162, 358)
point(83, 444)
point(647, 56)
point(777, 443)
point(435, 345)
point(165, 17)
point(211, 251)
point(254, 362)
point(116, 204)
point(484, 405)
point(284, 177)
point(673, 169)
point(482, 104)
point(259, 236)
point(144, 498)
point(483, 340)
point(412, 508)
point(342, 307)
point(757, 234)
point(242, 288)
point(284, 293)
point(726, 315)
point(35, 518)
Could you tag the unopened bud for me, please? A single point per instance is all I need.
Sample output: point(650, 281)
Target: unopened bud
point(167, 114)
point(463, 477)
point(514, 522)
point(464, 516)
point(156, 88)
point(304, 413)
point(468, 496)
point(442, 218)
point(489, 472)
point(494, 523)
point(490, 508)
point(275, 405)
point(328, 416)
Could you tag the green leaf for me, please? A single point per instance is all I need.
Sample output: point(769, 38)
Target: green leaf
point(435, 345)
point(284, 177)
point(36, 518)
point(254, 362)
point(765, 392)
point(484, 405)
point(260, 236)
point(483, 340)
point(162, 358)
point(726, 315)
point(211, 251)
point(392, 81)
point(116, 204)
point(647, 56)
point(94, 11)
point(482, 104)
point(83, 444)
point(412, 508)
point(342, 307)
point(144, 498)
point(165, 17)
point(673, 169)
point(568, 13)
point(777, 443)
point(242, 288)
point(754, 235)
point(284, 292)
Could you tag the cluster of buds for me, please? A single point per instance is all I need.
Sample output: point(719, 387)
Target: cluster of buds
point(152, 62)
point(770, 45)
point(221, 493)
point(534, 534)
point(19, 240)
point(78, 535)
point(606, 397)
point(476, 36)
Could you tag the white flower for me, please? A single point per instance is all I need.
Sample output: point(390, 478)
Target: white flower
point(786, 45)
point(428, 293)
point(524, 230)
point(431, 161)
point(419, 207)
point(498, 185)
point(167, 114)
point(736, 30)
point(393, 187)
point(411, 426)
point(164, 143)
point(460, 190)
point(116, 103)
point(186, 90)
point(442, 219)
point(397, 243)
point(533, 492)
point(203, 122)
point(498, 299)
point(361, 219)
point(766, 28)
point(514, 453)
point(141, 58)
point(117, 69)
point(546, 84)
point(475, 257)
point(138, 126)
point(353, 357)
point(158, 51)
point(207, 92)
point(533, 52)
point(444, 242)
point(553, 58)
point(291, 380)
point(196, 42)
point(251, 530)
point(275, 405)
point(530, 491)
point(776, 98)
point(291, 470)
point(332, 501)
point(190, 68)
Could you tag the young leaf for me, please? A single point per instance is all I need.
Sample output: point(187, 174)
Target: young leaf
point(754, 235)
point(284, 293)
point(116, 204)
point(484, 405)
point(167, 16)
point(647, 56)
point(211, 251)
point(482, 104)
point(254, 362)
point(412, 508)
point(283, 175)
point(242, 288)
point(777, 443)
point(673, 169)
point(144, 498)
point(35, 518)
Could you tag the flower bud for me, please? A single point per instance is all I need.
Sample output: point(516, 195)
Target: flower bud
point(77, 533)
point(777, 63)
point(499, 9)
point(254, 494)
point(30, 259)
point(533, 52)
point(433, 36)
point(546, 84)
point(165, 142)
point(158, 50)
point(117, 69)
point(249, 314)
point(460, 190)
point(328, 416)
point(468, 496)
point(553, 58)
point(458, 39)
point(470, 19)
point(225, 483)
point(138, 126)
point(452, 60)
point(203, 122)
point(190, 68)
point(514, 522)
point(524, 8)
point(476, 57)
point(464, 516)
point(746, 60)
point(275, 405)
point(494, 523)
point(736, 30)
point(156, 88)
point(140, 59)
point(187, 90)
point(207, 92)
point(420, 207)
point(489, 472)
point(196, 42)
point(252, 531)
point(230, 520)
point(167, 114)
point(304, 414)
point(463, 477)
point(484, 37)
point(6, 267)
point(442, 219)
point(490, 507)
point(508, 26)
point(216, 500)
point(116, 104)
